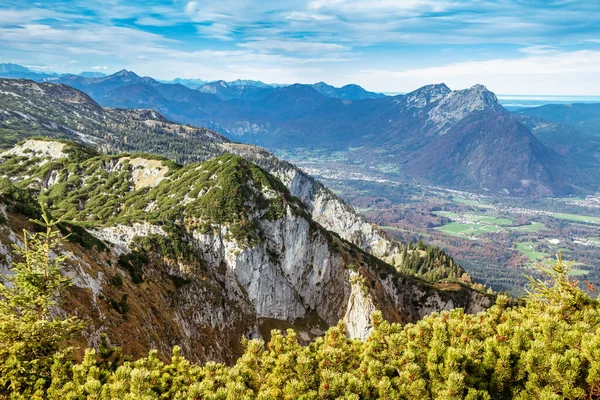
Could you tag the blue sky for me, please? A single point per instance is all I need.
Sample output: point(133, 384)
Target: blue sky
point(512, 46)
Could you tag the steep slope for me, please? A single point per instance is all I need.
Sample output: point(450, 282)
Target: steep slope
point(60, 111)
point(203, 254)
point(572, 130)
point(476, 150)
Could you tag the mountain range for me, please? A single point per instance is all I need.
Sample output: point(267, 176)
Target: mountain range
point(460, 139)
point(9, 70)
point(239, 88)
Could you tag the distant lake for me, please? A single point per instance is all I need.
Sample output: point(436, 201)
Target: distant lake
point(516, 101)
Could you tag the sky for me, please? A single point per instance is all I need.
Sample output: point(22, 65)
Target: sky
point(533, 47)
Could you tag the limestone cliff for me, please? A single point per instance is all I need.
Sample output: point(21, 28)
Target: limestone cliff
point(325, 207)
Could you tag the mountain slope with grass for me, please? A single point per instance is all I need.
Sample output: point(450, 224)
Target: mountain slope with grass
point(203, 253)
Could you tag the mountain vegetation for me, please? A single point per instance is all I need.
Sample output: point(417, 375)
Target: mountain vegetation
point(43, 109)
point(203, 254)
point(548, 347)
point(229, 274)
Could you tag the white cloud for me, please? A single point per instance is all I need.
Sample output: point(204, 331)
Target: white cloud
point(353, 6)
point(564, 73)
point(539, 50)
point(38, 67)
point(313, 40)
point(191, 7)
point(305, 16)
point(152, 21)
point(18, 17)
point(215, 31)
point(303, 46)
point(99, 67)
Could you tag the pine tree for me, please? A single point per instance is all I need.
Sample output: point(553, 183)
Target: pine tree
point(31, 337)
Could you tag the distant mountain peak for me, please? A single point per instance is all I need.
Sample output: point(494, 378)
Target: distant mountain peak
point(477, 98)
point(92, 74)
point(434, 88)
point(125, 74)
point(347, 92)
point(427, 94)
point(479, 87)
point(10, 67)
point(298, 88)
point(458, 104)
point(213, 87)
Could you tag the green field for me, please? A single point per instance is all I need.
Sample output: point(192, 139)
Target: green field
point(392, 228)
point(494, 220)
point(575, 198)
point(527, 248)
point(478, 224)
point(577, 218)
point(578, 272)
point(535, 257)
point(532, 227)
point(388, 168)
point(458, 229)
point(485, 219)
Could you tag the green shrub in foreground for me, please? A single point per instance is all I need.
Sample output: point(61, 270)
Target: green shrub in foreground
point(547, 349)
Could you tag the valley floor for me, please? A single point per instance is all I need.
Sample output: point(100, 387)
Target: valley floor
point(497, 239)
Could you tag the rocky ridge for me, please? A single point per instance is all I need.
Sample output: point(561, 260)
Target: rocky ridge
point(210, 253)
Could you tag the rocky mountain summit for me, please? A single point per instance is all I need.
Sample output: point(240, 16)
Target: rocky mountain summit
point(203, 254)
point(453, 106)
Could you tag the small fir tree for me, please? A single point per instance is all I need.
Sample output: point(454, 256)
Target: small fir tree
point(31, 336)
